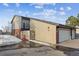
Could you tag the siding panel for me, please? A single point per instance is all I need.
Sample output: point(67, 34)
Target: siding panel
point(44, 32)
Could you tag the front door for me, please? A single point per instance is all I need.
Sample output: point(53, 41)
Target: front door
point(32, 35)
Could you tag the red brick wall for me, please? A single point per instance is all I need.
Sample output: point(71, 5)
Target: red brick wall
point(17, 33)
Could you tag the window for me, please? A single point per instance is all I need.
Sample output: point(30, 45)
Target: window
point(24, 25)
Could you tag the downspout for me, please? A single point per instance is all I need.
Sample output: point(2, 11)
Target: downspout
point(71, 33)
point(75, 34)
point(57, 35)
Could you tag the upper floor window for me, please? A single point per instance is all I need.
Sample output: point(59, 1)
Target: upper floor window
point(24, 25)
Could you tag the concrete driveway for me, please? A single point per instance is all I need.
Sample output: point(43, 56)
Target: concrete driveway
point(70, 44)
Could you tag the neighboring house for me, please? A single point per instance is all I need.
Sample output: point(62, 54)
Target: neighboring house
point(77, 32)
point(0, 31)
point(41, 30)
point(77, 29)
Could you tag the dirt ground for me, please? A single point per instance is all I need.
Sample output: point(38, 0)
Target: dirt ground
point(40, 51)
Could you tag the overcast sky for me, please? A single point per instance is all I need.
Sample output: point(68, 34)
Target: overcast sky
point(55, 12)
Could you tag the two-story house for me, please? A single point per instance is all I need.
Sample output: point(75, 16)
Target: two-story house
point(41, 30)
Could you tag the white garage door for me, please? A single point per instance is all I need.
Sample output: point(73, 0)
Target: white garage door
point(64, 35)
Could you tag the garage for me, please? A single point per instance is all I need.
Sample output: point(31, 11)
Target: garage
point(64, 34)
point(73, 34)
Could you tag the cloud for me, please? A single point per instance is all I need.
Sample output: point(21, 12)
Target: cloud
point(17, 5)
point(15, 12)
point(69, 8)
point(41, 5)
point(54, 4)
point(46, 13)
point(38, 5)
point(62, 13)
point(49, 12)
point(5, 4)
point(25, 13)
point(61, 8)
point(20, 12)
point(51, 15)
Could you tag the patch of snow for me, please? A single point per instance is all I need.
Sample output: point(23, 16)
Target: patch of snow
point(8, 40)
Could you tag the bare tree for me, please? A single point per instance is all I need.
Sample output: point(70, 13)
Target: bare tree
point(7, 28)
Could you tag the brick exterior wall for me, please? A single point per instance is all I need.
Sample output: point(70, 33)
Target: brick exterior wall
point(17, 33)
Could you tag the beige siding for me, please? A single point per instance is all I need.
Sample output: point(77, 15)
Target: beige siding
point(16, 22)
point(44, 32)
point(77, 31)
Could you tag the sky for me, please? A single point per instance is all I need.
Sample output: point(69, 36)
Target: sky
point(55, 12)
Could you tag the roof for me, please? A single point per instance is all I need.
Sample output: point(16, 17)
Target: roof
point(49, 22)
point(13, 18)
point(36, 20)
